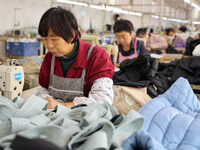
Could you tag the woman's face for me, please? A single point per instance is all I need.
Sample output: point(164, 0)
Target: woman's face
point(124, 38)
point(145, 36)
point(57, 45)
point(171, 34)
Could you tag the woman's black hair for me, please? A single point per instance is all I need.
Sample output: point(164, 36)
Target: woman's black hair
point(141, 31)
point(169, 30)
point(123, 25)
point(61, 21)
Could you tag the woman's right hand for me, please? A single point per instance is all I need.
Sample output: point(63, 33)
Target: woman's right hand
point(52, 103)
point(117, 65)
point(149, 49)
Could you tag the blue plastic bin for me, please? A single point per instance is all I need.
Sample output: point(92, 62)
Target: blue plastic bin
point(23, 49)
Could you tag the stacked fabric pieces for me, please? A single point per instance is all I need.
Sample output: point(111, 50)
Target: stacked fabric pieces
point(96, 126)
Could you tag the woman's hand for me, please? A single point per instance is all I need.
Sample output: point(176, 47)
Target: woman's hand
point(163, 51)
point(149, 49)
point(52, 103)
point(117, 65)
point(69, 104)
point(174, 45)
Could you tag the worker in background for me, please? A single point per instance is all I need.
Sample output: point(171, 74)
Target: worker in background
point(177, 42)
point(73, 72)
point(183, 28)
point(154, 42)
point(129, 47)
point(193, 46)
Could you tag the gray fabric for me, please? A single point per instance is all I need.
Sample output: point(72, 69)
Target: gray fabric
point(131, 123)
point(33, 106)
point(19, 101)
point(7, 108)
point(98, 139)
point(82, 128)
point(67, 88)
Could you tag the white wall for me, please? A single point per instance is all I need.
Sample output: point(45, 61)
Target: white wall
point(85, 14)
point(28, 13)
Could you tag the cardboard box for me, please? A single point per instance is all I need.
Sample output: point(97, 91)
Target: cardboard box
point(3, 48)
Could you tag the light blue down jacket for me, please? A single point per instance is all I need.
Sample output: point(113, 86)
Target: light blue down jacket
point(172, 121)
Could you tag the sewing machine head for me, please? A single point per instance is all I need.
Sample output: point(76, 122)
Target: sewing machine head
point(11, 81)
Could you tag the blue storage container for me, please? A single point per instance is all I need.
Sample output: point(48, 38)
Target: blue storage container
point(100, 41)
point(23, 49)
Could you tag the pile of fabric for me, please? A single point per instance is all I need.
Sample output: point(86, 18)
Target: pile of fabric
point(188, 68)
point(141, 72)
point(96, 126)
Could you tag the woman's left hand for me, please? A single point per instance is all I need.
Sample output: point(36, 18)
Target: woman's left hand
point(52, 103)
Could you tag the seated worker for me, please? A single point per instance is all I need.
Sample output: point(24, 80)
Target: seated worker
point(177, 42)
point(129, 47)
point(154, 42)
point(73, 71)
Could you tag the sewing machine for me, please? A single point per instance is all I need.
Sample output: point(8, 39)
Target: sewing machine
point(11, 81)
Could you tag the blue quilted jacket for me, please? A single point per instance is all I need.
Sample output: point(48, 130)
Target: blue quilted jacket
point(172, 121)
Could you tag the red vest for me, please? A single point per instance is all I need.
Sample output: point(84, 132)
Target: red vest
point(98, 66)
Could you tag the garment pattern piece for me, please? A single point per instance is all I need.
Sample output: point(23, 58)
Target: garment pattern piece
point(96, 126)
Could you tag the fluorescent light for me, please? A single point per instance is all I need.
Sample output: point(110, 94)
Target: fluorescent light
point(135, 13)
point(192, 4)
point(124, 12)
point(72, 2)
point(187, 1)
point(171, 19)
point(153, 16)
point(98, 7)
point(102, 7)
point(196, 22)
point(108, 8)
point(116, 9)
point(164, 18)
point(196, 6)
point(175, 20)
point(186, 21)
